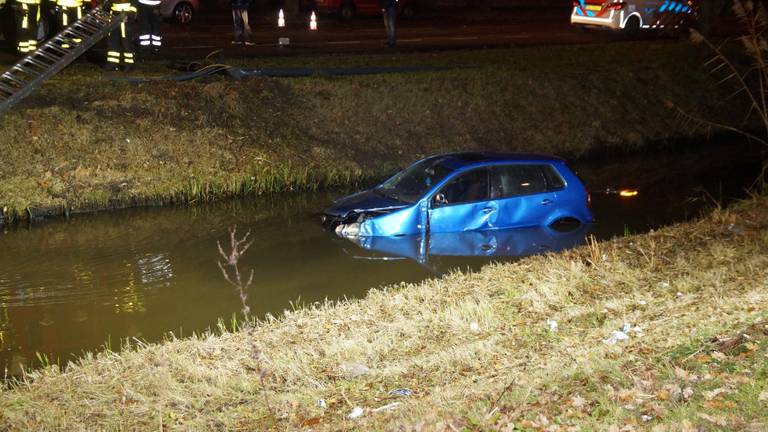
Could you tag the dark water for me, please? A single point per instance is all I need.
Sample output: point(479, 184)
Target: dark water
point(69, 286)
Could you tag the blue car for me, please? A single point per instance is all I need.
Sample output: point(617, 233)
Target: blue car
point(465, 192)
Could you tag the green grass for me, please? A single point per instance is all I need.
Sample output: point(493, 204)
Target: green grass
point(84, 142)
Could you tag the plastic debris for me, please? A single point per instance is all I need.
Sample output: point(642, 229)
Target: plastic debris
point(646, 418)
point(401, 392)
point(386, 407)
point(623, 334)
point(474, 327)
point(322, 404)
point(356, 412)
point(552, 325)
point(616, 336)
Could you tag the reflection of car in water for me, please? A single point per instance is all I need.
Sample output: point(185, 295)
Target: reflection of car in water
point(633, 15)
point(464, 192)
point(514, 242)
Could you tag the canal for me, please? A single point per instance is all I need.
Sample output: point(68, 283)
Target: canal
point(75, 285)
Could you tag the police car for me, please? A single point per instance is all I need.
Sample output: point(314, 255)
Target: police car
point(633, 15)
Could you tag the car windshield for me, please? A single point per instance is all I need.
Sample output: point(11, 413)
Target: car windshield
point(410, 184)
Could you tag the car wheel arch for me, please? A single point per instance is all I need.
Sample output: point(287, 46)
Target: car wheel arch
point(632, 29)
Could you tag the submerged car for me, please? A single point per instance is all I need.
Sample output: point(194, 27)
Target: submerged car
point(465, 192)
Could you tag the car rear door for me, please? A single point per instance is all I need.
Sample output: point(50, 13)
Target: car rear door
point(522, 194)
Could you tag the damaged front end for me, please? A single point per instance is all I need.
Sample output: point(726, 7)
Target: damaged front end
point(388, 221)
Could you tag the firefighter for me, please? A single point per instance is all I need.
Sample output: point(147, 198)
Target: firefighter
point(71, 11)
point(120, 44)
point(149, 25)
point(27, 17)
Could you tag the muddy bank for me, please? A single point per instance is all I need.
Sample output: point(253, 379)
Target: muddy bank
point(74, 146)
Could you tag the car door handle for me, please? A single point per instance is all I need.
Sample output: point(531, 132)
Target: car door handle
point(488, 210)
point(546, 201)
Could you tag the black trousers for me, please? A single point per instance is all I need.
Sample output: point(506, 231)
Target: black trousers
point(26, 27)
point(390, 16)
point(68, 16)
point(120, 44)
point(149, 26)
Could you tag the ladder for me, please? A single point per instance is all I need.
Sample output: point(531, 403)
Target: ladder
point(54, 55)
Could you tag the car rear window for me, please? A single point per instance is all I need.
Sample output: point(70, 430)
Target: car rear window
point(554, 181)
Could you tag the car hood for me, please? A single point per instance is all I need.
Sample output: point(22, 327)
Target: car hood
point(364, 201)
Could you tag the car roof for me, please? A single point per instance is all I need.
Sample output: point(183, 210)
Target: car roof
point(462, 160)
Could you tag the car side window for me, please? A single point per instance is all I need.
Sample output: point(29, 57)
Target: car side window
point(514, 180)
point(467, 187)
point(554, 180)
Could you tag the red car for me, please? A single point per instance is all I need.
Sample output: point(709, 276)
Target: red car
point(351, 8)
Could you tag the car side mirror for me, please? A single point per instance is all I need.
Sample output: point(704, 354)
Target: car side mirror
point(440, 199)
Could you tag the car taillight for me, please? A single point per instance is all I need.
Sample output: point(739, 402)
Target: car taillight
point(615, 6)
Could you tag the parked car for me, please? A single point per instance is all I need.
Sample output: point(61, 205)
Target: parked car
point(464, 192)
point(630, 16)
point(181, 11)
point(350, 8)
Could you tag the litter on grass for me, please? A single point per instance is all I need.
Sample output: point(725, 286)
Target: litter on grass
point(387, 407)
point(552, 325)
point(623, 334)
point(356, 412)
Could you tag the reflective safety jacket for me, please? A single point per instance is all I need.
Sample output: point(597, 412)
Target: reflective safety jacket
point(29, 2)
point(69, 3)
point(149, 2)
point(123, 6)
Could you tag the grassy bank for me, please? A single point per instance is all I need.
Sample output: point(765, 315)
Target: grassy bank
point(83, 142)
point(475, 351)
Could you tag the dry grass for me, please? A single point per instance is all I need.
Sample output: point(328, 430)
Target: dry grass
point(475, 349)
point(72, 146)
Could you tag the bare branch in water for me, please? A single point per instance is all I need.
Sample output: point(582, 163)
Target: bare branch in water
point(238, 247)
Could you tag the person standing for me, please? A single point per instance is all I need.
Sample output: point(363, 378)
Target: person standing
point(240, 20)
point(389, 10)
point(71, 11)
point(120, 43)
point(27, 16)
point(149, 25)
